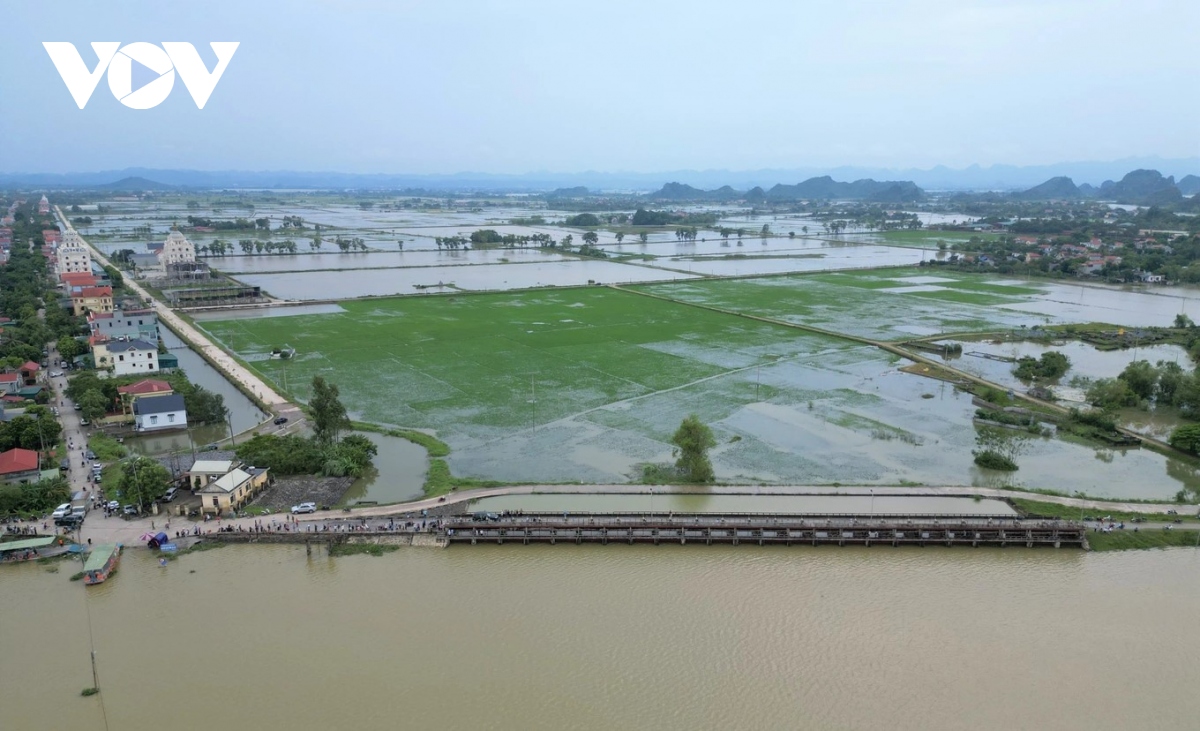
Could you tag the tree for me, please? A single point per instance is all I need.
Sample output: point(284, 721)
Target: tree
point(1183, 321)
point(1110, 394)
point(590, 238)
point(143, 480)
point(692, 441)
point(329, 415)
point(1141, 377)
point(1186, 438)
point(620, 236)
point(69, 347)
point(643, 236)
point(999, 448)
point(93, 405)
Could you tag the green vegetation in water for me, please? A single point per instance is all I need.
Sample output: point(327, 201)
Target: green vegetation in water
point(434, 446)
point(89, 691)
point(106, 448)
point(352, 549)
point(1129, 540)
point(995, 461)
point(77, 576)
point(1050, 366)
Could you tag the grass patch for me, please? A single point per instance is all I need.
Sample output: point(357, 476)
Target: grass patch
point(77, 576)
point(1066, 512)
point(106, 448)
point(354, 549)
point(1128, 540)
point(439, 480)
point(89, 691)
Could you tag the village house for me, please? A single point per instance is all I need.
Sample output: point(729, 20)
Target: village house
point(43, 206)
point(10, 383)
point(141, 324)
point(29, 373)
point(51, 236)
point(149, 388)
point(233, 490)
point(130, 357)
point(92, 299)
point(19, 466)
point(176, 250)
point(75, 281)
point(159, 412)
point(72, 256)
point(204, 471)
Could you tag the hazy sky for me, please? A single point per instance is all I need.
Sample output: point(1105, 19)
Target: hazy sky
point(573, 85)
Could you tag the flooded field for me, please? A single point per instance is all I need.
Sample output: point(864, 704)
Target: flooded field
point(480, 277)
point(922, 302)
point(677, 639)
point(589, 384)
point(376, 260)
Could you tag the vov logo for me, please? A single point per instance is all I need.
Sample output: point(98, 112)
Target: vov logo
point(153, 66)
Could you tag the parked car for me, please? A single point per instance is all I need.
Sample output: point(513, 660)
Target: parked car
point(90, 455)
point(280, 420)
point(209, 448)
point(170, 494)
point(69, 521)
point(61, 510)
point(77, 407)
point(483, 516)
point(80, 510)
point(84, 421)
point(130, 510)
point(305, 508)
point(112, 505)
point(56, 374)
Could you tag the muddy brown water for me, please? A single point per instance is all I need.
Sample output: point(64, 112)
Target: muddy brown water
point(557, 637)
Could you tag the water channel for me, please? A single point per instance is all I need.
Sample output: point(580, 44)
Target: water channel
point(558, 637)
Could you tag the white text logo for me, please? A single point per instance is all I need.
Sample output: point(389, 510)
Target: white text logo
point(159, 64)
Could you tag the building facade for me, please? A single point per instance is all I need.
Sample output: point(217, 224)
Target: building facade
point(176, 250)
point(72, 256)
point(158, 413)
point(92, 299)
point(130, 357)
point(232, 490)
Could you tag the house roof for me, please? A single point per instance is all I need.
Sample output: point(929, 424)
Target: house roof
point(10, 377)
point(229, 482)
point(18, 460)
point(94, 292)
point(30, 366)
point(158, 404)
point(120, 346)
point(212, 466)
point(146, 387)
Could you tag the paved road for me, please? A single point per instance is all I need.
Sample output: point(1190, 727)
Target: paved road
point(231, 368)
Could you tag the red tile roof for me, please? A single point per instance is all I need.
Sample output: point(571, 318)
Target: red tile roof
point(94, 292)
point(18, 460)
point(10, 377)
point(148, 386)
point(79, 279)
point(31, 366)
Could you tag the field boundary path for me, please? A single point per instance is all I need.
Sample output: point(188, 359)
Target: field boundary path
point(213, 353)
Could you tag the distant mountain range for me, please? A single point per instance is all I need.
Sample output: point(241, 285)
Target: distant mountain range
point(1005, 178)
point(822, 188)
point(1141, 187)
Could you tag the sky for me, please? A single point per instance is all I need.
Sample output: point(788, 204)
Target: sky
point(393, 86)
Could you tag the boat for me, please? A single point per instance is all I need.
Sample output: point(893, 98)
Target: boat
point(101, 562)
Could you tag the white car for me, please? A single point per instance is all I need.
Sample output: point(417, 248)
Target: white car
point(56, 374)
point(61, 510)
point(305, 508)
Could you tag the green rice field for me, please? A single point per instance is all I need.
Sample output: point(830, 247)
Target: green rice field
point(585, 384)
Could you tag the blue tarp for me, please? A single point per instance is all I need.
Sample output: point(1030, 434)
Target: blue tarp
point(159, 540)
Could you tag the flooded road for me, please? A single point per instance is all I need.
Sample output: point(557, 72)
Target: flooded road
point(557, 637)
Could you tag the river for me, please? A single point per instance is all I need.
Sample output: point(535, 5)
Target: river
point(558, 637)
